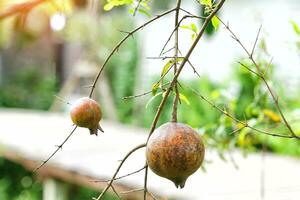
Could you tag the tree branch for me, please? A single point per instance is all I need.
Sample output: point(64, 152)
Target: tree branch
point(57, 149)
point(20, 7)
point(118, 169)
point(260, 73)
point(119, 45)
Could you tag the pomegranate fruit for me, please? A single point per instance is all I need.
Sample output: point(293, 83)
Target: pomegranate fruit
point(86, 112)
point(175, 151)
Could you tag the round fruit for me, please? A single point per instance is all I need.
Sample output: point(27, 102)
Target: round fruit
point(175, 151)
point(86, 112)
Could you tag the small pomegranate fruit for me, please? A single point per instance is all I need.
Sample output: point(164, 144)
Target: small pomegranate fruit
point(175, 151)
point(86, 112)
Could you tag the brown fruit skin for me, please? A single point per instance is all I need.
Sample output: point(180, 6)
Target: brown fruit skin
point(175, 151)
point(86, 112)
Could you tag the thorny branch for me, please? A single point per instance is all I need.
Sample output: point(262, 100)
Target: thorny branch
point(118, 169)
point(120, 43)
point(261, 74)
point(163, 101)
point(116, 193)
point(176, 98)
point(143, 94)
point(174, 81)
point(57, 149)
point(244, 123)
point(176, 30)
point(120, 177)
point(186, 57)
point(137, 7)
point(101, 70)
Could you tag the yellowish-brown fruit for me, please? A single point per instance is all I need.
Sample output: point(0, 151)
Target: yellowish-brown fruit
point(86, 112)
point(175, 151)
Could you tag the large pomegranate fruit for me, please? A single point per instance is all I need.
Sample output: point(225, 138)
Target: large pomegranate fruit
point(86, 112)
point(174, 151)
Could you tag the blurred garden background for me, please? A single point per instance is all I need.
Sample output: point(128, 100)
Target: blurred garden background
point(51, 51)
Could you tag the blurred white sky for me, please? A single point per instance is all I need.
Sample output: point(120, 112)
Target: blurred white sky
point(214, 56)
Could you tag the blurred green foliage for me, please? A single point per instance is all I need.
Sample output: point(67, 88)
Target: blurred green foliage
point(122, 68)
point(27, 88)
point(16, 183)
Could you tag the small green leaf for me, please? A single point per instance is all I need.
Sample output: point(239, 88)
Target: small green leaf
point(295, 27)
point(184, 98)
point(191, 27)
point(167, 67)
point(206, 2)
point(112, 3)
point(215, 22)
point(152, 98)
point(194, 28)
point(185, 27)
point(155, 87)
point(108, 6)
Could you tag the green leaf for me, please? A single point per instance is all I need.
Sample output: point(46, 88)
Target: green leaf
point(206, 2)
point(155, 87)
point(191, 27)
point(167, 67)
point(108, 6)
point(194, 28)
point(182, 97)
point(215, 22)
point(185, 27)
point(295, 27)
point(112, 3)
point(152, 98)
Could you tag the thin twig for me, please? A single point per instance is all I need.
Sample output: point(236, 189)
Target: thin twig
point(118, 169)
point(62, 100)
point(194, 69)
point(164, 57)
point(137, 7)
point(167, 51)
point(120, 177)
point(145, 93)
point(268, 67)
point(259, 71)
point(119, 45)
point(256, 39)
point(244, 123)
point(176, 98)
point(191, 14)
point(132, 191)
point(153, 197)
point(145, 182)
point(174, 30)
point(116, 193)
point(58, 148)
